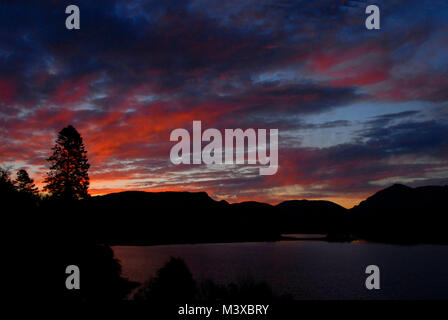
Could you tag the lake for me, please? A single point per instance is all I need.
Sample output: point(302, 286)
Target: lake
point(306, 269)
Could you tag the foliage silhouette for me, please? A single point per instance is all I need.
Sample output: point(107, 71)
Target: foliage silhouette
point(62, 239)
point(174, 283)
point(100, 273)
point(25, 184)
point(68, 176)
point(7, 186)
point(15, 195)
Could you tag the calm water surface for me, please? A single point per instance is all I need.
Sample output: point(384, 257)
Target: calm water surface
point(305, 269)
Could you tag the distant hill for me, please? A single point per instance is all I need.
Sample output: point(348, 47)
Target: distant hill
point(168, 198)
point(310, 216)
point(177, 217)
point(403, 197)
point(185, 216)
point(403, 214)
point(395, 214)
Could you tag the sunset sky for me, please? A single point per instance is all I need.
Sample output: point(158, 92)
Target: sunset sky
point(357, 110)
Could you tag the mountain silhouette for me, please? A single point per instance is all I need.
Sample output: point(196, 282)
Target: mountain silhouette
point(310, 216)
point(400, 196)
point(395, 214)
point(404, 214)
point(173, 217)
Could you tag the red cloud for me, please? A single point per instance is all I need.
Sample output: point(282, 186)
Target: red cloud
point(8, 90)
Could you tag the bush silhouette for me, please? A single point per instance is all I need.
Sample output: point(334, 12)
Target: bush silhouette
point(101, 274)
point(173, 284)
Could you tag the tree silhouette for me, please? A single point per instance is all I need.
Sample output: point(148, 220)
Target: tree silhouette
point(9, 197)
point(6, 184)
point(68, 177)
point(25, 184)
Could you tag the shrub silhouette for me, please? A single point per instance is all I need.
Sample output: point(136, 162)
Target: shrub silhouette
point(173, 284)
point(101, 274)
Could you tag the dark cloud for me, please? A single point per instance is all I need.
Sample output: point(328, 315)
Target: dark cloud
point(430, 137)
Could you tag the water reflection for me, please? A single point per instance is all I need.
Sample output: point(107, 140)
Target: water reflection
point(306, 269)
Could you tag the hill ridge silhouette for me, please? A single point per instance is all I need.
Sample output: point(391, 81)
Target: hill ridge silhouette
point(398, 213)
point(402, 213)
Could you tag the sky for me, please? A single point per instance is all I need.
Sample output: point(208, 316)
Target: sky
point(357, 110)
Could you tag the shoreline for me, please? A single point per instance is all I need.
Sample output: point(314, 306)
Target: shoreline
point(163, 243)
point(351, 240)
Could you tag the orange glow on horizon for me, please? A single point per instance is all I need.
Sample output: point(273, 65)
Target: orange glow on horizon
point(344, 202)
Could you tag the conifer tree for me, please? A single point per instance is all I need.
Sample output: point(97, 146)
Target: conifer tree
point(25, 184)
point(68, 177)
